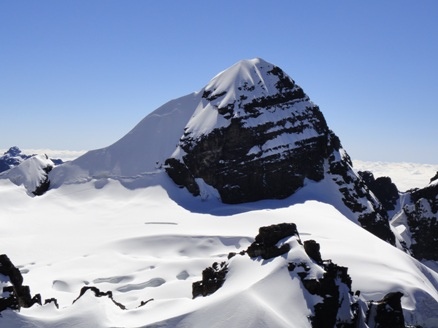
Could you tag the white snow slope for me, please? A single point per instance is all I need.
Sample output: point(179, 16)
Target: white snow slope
point(115, 220)
point(141, 244)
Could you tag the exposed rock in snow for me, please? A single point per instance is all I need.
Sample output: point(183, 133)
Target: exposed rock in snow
point(18, 296)
point(255, 135)
point(422, 222)
point(386, 313)
point(383, 188)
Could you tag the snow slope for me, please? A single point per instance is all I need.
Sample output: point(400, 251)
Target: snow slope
point(141, 245)
point(145, 147)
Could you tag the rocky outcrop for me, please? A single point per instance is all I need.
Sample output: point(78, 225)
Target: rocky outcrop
point(265, 244)
point(17, 295)
point(98, 293)
point(383, 188)
point(212, 279)
point(356, 196)
point(44, 183)
point(338, 306)
point(422, 222)
point(386, 313)
point(335, 290)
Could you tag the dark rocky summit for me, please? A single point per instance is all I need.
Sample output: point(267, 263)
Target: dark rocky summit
point(268, 139)
point(270, 143)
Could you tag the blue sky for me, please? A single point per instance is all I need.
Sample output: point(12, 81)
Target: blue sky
point(79, 74)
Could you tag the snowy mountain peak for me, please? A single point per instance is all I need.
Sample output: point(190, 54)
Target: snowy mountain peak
point(12, 157)
point(238, 90)
point(14, 151)
point(247, 78)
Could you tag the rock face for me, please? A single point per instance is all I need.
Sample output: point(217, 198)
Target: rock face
point(386, 313)
point(265, 244)
point(422, 222)
point(16, 295)
point(383, 188)
point(256, 135)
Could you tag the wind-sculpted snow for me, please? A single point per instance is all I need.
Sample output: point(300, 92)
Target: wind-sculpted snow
point(146, 249)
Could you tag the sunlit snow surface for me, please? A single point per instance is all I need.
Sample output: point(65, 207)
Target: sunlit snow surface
point(152, 243)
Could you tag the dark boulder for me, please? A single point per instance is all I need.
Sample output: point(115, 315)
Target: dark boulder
point(312, 249)
point(387, 313)
point(265, 244)
point(19, 295)
point(212, 279)
point(383, 188)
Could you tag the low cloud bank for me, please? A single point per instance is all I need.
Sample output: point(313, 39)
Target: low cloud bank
point(404, 175)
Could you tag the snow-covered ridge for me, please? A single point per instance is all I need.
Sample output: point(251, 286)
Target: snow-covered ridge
point(32, 173)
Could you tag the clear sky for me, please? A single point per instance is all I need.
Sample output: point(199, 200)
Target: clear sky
point(79, 74)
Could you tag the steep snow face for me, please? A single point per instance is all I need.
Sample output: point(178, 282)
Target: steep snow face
point(141, 151)
point(32, 173)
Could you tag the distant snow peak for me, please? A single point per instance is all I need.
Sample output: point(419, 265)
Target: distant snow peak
point(12, 157)
point(14, 151)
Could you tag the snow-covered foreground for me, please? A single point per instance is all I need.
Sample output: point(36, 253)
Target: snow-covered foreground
point(150, 244)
